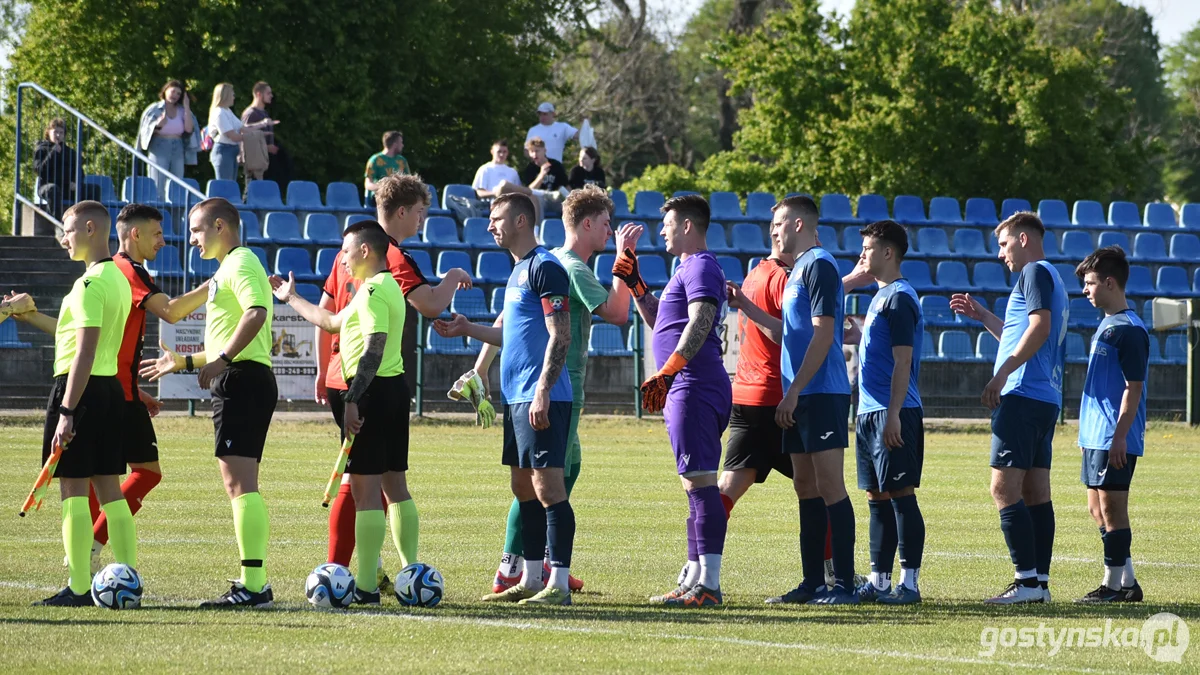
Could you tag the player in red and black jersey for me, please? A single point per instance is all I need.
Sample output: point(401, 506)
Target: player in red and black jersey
point(139, 232)
point(400, 205)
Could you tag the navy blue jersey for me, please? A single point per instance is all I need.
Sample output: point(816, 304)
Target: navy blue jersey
point(1040, 378)
point(537, 287)
point(893, 320)
point(1120, 354)
point(814, 289)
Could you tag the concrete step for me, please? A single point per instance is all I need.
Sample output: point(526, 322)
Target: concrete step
point(36, 265)
point(39, 279)
point(29, 242)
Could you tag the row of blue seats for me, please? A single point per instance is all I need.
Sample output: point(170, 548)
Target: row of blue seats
point(955, 345)
point(9, 338)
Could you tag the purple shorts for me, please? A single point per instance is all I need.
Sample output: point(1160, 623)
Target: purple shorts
point(695, 421)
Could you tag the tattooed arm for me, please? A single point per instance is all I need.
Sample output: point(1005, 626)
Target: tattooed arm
point(647, 306)
point(701, 314)
point(559, 325)
point(368, 366)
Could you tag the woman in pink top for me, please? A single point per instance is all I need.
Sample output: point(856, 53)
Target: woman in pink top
point(166, 133)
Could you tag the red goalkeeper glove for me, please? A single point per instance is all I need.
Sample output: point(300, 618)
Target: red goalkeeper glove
point(654, 390)
point(625, 268)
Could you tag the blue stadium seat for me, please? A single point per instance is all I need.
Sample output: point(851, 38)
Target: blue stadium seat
point(620, 205)
point(108, 193)
point(932, 243)
point(1076, 348)
point(852, 241)
point(1050, 246)
point(981, 211)
point(1124, 215)
point(1159, 216)
point(759, 205)
point(1000, 307)
point(1115, 239)
point(753, 263)
point(436, 344)
point(1149, 247)
point(1082, 314)
point(725, 206)
point(457, 190)
point(1185, 248)
point(748, 238)
point(936, 310)
point(647, 240)
point(250, 228)
point(1189, 216)
point(1173, 282)
point(498, 300)
point(1175, 349)
point(476, 235)
point(425, 264)
point(856, 304)
point(683, 193)
point(929, 348)
point(1012, 205)
point(344, 198)
point(605, 340)
point(294, 260)
point(141, 190)
point(952, 275)
point(263, 195)
point(872, 207)
point(553, 233)
point(322, 228)
point(1053, 213)
point(448, 260)
point(732, 267)
point(955, 345)
point(471, 303)
point(986, 346)
point(716, 239)
point(442, 232)
point(494, 267)
point(171, 233)
point(166, 264)
point(835, 208)
point(9, 338)
point(228, 190)
point(969, 243)
point(356, 218)
point(603, 268)
point(178, 196)
point(945, 211)
point(828, 238)
point(198, 267)
point(909, 210)
point(993, 244)
point(653, 269)
point(310, 292)
point(990, 277)
point(304, 195)
point(647, 204)
point(261, 254)
point(917, 273)
point(435, 204)
point(1156, 357)
point(325, 259)
point(1140, 282)
point(1076, 245)
point(1088, 213)
point(283, 228)
point(1070, 281)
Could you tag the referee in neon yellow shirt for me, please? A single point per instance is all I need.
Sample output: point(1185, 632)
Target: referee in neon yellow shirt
point(377, 398)
point(236, 366)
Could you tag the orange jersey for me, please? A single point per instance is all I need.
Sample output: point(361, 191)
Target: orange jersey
point(758, 381)
point(142, 286)
point(341, 287)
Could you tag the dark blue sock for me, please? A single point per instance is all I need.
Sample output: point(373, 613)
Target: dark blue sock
point(533, 528)
point(560, 533)
point(1116, 547)
point(1042, 516)
point(882, 543)
point(841, 525)
point(910, 528)
point(1017, 527)
point(813, 522)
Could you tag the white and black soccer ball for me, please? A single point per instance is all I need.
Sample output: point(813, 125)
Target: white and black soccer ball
point(117, 586)
point(419, 585)
point(330, 586)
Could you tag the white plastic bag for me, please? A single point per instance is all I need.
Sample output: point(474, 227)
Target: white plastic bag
point(587, 136)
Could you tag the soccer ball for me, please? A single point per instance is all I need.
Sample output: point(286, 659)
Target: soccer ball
point(419, 585)
point(117, 586)
point(330, 586)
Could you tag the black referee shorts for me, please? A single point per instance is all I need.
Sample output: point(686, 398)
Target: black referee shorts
point(382, 443)
point(96, 448)
point(243, 400)
point(139, 442)
point(337, 406)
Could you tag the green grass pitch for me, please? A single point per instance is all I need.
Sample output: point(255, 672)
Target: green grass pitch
point(630, 544)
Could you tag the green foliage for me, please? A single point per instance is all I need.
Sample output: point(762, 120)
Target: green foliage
point(665, 178)
point(1182, 175)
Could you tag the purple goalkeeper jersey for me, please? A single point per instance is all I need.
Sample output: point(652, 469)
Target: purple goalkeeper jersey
point(698, 278)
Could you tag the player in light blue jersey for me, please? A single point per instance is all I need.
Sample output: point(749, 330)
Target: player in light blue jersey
point(890, 444)
point(1024, 395)
point(1112, 417)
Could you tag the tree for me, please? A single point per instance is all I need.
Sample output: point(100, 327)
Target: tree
point(1182, 175)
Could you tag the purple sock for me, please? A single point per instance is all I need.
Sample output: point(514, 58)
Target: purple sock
point(711, 521)
point(692, 536)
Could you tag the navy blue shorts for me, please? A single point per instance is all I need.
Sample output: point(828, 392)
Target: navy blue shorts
point(527, 448)
point(883, 469)
point(822, 423)
point(1023, 433)
point(1096, 473)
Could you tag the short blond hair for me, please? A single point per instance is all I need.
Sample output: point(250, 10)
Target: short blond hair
point(400, 191)
point(586, 202)
point(535, 142)
point(93, 211)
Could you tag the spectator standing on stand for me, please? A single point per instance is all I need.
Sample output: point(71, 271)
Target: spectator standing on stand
point(553, 133)
point(279, 168)
point(169, 134)
point(227, 132)
point(385, 163)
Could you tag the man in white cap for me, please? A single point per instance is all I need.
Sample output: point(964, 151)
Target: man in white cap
point(554, 133)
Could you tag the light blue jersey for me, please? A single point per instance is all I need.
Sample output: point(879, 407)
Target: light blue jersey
point(1120, 354)
point(814, 289)
point(537, 288)
point(893, 320)
point(1040, 378)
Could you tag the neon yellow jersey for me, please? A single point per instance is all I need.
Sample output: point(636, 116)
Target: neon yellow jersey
point(239, 284)
point(101, 298)
point(377, 307)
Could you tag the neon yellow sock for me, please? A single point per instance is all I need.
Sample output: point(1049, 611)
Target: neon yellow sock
point(405, 529)
point(251, 527)
point(370, 529)
point(77, 540)
point(122, 533)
